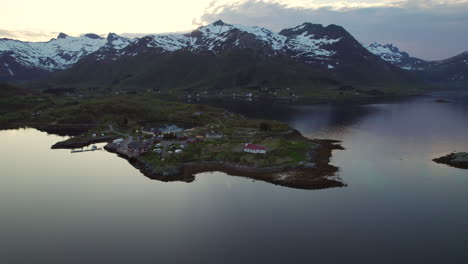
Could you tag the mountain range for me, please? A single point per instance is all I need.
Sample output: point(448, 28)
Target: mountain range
point(218, 57)
point(33, 60)
point(448, 72)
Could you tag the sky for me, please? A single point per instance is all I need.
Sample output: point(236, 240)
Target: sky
point(428, 29)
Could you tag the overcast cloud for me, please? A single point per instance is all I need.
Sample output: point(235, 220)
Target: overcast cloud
point(27, 35)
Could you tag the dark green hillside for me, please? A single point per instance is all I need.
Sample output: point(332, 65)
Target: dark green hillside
point(236, 71)
point(13, 98)
point(374, 73)
point(449, 73)
point(123, 110)
point(130, 109)
point(12, 90)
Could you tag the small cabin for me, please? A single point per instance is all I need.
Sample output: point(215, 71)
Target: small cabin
point(254, 148)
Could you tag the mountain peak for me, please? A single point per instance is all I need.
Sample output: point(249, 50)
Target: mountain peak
point(219, 23)
point(112, 36)
point(92, 36)
point(62, 35)
point(307, 26)
point(388, 45)
point(388, 48)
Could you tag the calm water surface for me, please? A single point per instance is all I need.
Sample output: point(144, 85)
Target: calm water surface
point(399, 207)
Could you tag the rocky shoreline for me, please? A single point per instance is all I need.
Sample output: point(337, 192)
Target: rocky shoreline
point(300, 177)
point(457, 160)
point(82, 142)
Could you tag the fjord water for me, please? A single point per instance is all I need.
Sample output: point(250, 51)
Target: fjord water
point(398, 207)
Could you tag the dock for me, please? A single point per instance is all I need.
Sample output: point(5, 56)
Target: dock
point(84, 150)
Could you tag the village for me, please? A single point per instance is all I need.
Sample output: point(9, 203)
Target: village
point(164, 143)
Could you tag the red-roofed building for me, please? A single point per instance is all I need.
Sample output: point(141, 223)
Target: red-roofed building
point(253, 148)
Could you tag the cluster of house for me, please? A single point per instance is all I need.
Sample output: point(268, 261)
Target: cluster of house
point(176, 143)
point(170, 148)
point(168, 142)
point(139, 147)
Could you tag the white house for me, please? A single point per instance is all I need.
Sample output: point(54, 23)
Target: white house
point(118, 141)
point(213, 135)
point(157, 150)
point(253, 148)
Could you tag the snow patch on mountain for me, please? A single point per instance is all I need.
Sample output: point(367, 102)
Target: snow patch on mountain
point(299, 27)
point(393, 55)
point(117, 42)
point(170, 42)
point(275, 40)
point(214, 35)
point(7, 66)
point(306, 45)
point(387, 52)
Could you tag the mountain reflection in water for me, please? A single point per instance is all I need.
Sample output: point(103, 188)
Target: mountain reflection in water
point(399, 206)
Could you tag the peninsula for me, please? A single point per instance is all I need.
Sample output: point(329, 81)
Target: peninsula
point(172, 141)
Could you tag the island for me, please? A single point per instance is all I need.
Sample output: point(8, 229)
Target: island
point(173, 141)
point(457, 160)
point(282, 157)
point(263, 150)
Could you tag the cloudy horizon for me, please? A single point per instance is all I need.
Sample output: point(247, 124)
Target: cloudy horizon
point(426, 29)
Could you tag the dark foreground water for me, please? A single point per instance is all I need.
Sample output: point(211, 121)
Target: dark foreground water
point(399, 207)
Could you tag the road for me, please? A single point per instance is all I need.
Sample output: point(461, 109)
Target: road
point(118, 133)
point(122, 148)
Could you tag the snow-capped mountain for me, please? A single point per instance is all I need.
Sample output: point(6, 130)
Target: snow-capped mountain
point(311, 51)
point(387, 52)
point(454, 69)
point(223, 56)
point(324, 47)
point(329, 49)
point(212, 39)
point(18, 58)
point(309, 43)
point(392, 54)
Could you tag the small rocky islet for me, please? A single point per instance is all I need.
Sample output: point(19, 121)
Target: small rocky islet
point(456, 159)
